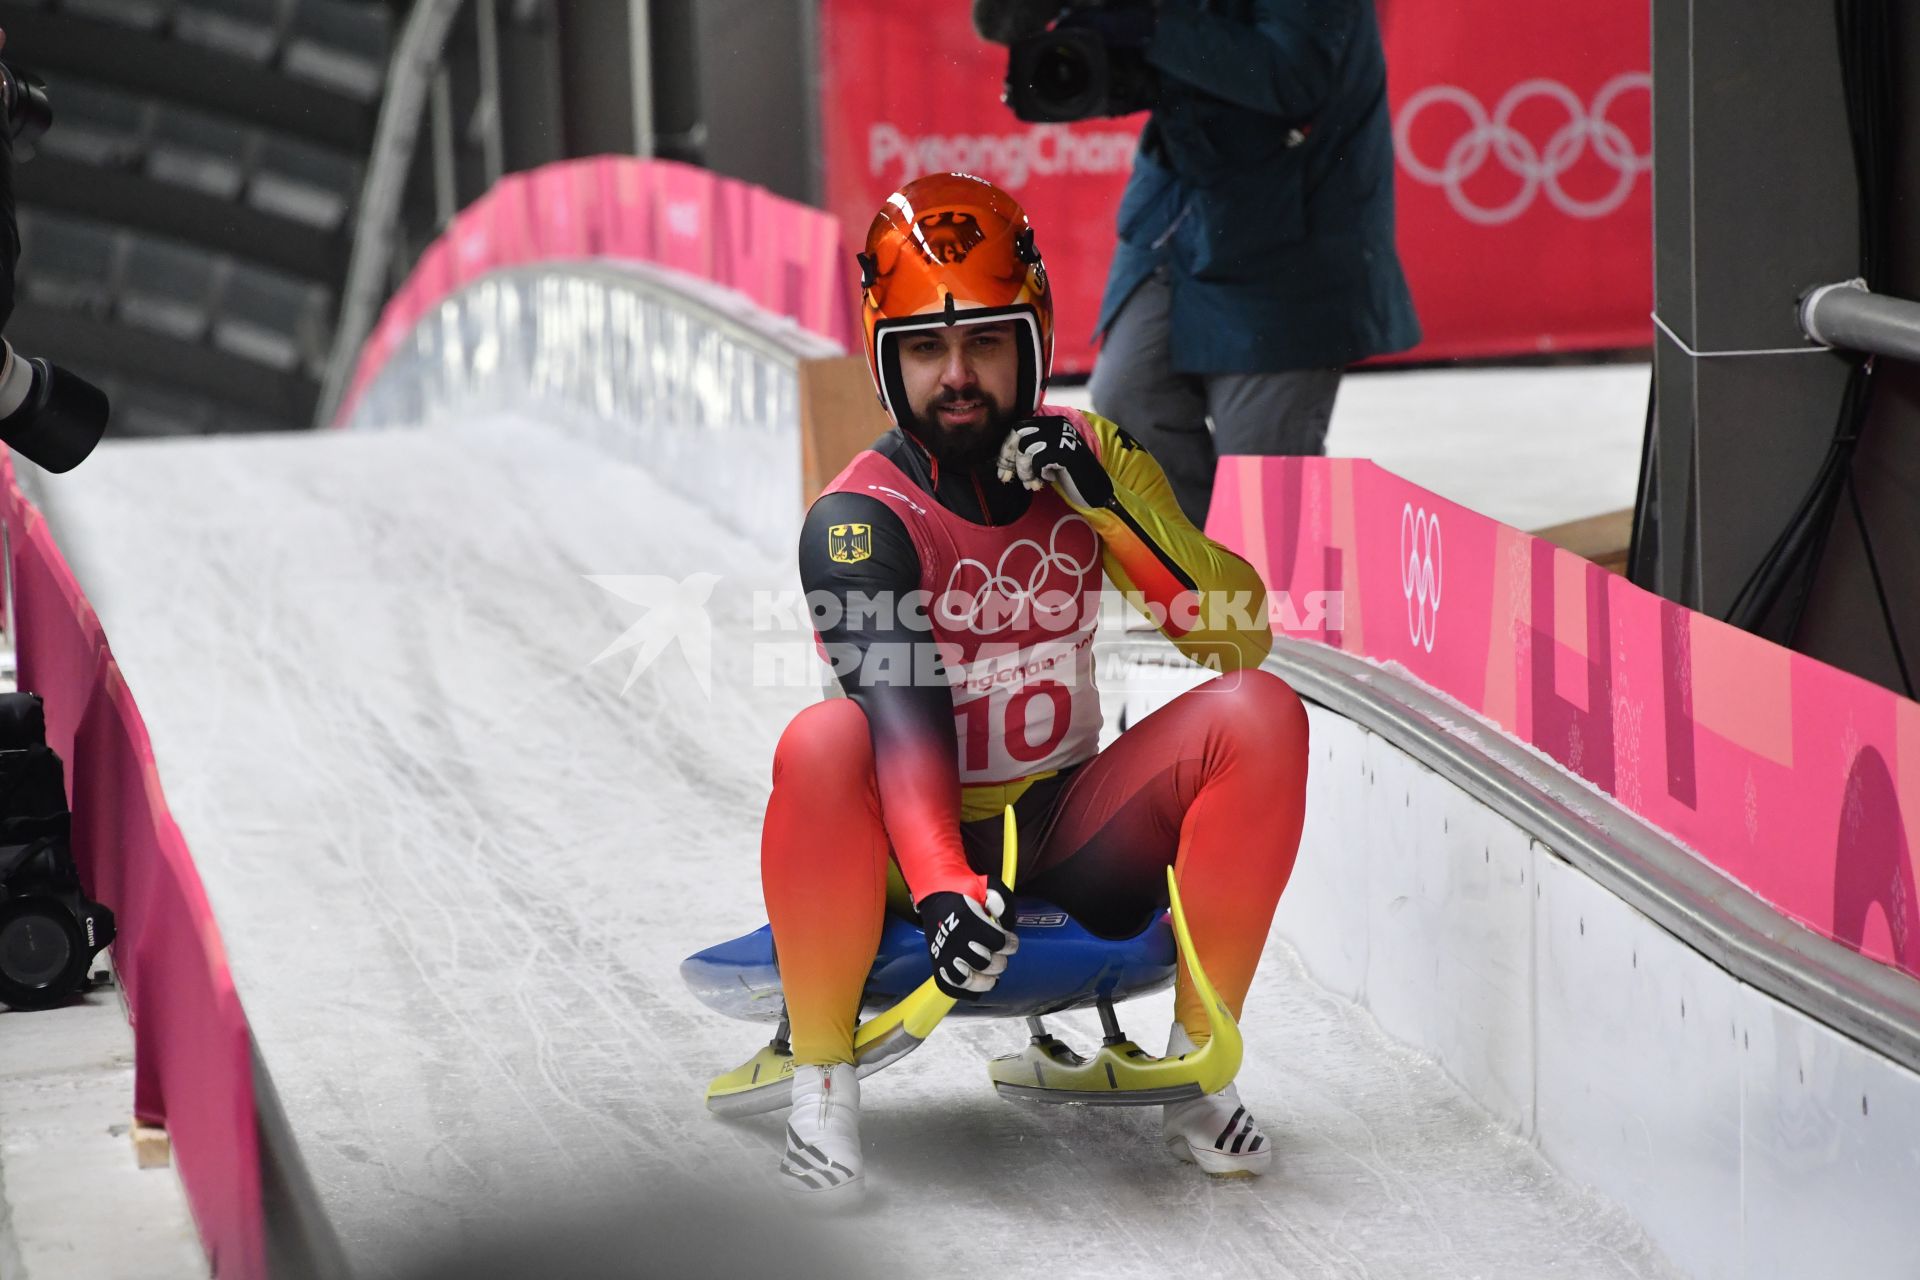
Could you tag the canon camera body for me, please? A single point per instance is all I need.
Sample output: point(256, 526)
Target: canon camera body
point(50, 931)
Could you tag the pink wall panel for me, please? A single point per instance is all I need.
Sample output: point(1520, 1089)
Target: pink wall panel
point(193, 1068)
point(1791, 776)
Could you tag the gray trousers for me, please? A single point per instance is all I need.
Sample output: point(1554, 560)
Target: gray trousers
point(1134, 384)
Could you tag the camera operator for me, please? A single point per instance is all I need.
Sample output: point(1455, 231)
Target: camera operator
point(1256, 256)
point(47, 414)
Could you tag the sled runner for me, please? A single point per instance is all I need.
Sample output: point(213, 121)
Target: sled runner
point(1059, 966)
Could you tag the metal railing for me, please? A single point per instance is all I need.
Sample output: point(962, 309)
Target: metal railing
point(1851, 317)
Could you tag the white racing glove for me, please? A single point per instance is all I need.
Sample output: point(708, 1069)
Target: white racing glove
point(1048, 450)
point(968, 945)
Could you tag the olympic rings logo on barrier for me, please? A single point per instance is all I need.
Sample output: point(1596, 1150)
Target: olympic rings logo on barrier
point(1421, 562)
point(1013, 597)
point(1538, 168)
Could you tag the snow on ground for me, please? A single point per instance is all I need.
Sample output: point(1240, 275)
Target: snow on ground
point(456, 868)
point(1531, 447)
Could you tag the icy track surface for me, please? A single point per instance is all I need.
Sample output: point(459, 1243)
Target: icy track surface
point(457, 867)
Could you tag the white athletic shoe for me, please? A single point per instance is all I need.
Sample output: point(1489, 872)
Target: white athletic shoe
point(823, 1136)
point(1214, 1132)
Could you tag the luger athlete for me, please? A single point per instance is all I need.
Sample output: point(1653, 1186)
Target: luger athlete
point(1005, 513)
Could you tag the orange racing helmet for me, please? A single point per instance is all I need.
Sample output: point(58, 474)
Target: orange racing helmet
point(949, 249)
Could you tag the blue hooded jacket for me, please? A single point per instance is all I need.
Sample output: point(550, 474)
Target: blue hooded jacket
point(1268, 193)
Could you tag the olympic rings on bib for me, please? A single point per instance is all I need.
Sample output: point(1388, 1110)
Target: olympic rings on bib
point(1031, 585)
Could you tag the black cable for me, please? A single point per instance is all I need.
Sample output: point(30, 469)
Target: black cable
point(1755, 606)
point(1792, 561)
point(1646, 495)
point(1879, 587)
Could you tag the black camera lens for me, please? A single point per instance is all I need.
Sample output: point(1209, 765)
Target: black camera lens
point(28, 110)
point(1069, 72)
point(36, 951)
point(62, 420)
point(1061, 74)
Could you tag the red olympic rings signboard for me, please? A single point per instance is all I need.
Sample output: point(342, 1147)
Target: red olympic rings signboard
point(1523, 178)
point(1523, 135)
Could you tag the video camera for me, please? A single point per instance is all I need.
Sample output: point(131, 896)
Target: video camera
point(50, 930)
point(48, 415)
point(1076, 69)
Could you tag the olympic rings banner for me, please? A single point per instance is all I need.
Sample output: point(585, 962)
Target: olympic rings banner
point(1524, 140)
point(1794, 778)
point(1524, 177)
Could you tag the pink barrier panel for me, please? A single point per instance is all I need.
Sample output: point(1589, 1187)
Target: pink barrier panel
point(566, 208)
point(827, 281)
point(12, 505)
point(748, 255)
point(60, 646)
point(433, 278)
point(405, 308)
point(626, 203)
point(1792, 777)
point(683, 221)
point(785, 256)
point(513, 239)
point(192, 1049)
point(473, 236)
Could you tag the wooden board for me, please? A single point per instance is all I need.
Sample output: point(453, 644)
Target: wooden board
point(152, 1149)
point(1602, 539)
point(839, 416)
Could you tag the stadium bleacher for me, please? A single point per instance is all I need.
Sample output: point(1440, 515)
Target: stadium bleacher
point(203, 211)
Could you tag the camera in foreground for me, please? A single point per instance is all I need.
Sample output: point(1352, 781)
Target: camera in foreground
point(50, 931)
point(48, 415)
point(29, 112)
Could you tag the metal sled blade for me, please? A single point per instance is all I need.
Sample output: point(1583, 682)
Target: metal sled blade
point(1120, 1073)
point(765, 1081)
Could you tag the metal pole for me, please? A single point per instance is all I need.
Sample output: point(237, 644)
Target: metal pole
point(409, 79)
point(1848, 316)
point(487, 114)
point(445, 201)
point(811, 77)
point(640, 34)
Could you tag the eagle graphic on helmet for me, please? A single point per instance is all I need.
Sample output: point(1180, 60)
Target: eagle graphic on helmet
point(951, 235)
point(953, 249)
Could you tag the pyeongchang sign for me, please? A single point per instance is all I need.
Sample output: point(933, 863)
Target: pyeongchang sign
point(1008, 160)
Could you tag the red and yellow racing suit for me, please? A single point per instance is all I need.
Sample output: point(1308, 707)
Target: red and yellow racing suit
point(959, 614)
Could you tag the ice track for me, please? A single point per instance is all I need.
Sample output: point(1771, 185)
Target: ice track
point(456, 868)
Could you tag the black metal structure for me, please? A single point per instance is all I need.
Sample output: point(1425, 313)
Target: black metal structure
point(1779, 476)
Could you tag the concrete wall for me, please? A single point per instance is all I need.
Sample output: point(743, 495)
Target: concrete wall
point(1747, 1139)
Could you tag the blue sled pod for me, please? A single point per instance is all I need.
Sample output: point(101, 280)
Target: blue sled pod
point(1059, 966)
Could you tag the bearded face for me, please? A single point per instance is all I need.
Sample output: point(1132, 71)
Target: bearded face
point(956, 435)
point(961, 381)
